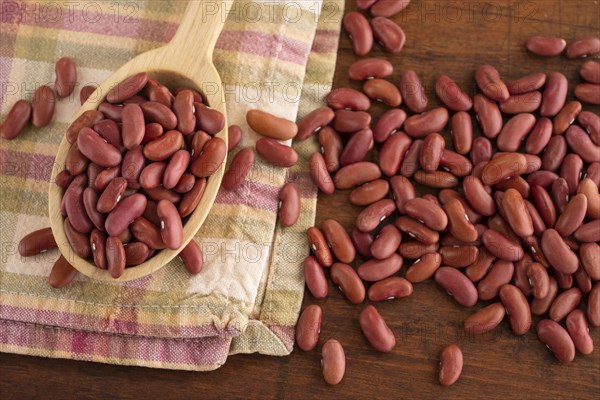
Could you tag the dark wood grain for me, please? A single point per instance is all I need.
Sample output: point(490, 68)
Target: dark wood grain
point(449, 37)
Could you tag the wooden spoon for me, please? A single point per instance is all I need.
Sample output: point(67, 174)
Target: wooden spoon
point(186, 61)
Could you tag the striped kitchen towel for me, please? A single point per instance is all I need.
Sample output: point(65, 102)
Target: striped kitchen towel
point(278, 56)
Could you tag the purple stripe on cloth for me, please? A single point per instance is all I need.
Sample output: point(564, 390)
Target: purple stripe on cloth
point(145, 351)
point(110, 325)
point(26, 165)
point(264, 44)
point(104, 18)
point(326, 41)
point(263, 197)
point(285, 333)
point(303, 181)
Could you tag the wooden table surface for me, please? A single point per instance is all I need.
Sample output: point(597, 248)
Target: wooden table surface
point(442, 37)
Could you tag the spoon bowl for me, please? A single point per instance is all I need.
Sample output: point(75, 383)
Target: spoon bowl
point(186, 61)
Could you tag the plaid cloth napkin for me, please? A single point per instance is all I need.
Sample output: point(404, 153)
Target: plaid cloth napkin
point(278, 56)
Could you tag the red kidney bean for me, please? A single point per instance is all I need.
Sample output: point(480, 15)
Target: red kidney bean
point(347, 99)
point(210, 159)
point(517, 183)
point(544, 205)
point(370, 68)
point(109, 111)
point(539, 136)
point(355, 174)
point(501, 247)
point(171, 228)
point(132, 166)
point(462, 132)
point(489, 82)
point(320, 175)
point(488, 115)
point(66, 76)
point(538, 223)
point(91, 145)
point(452, 95)
point(556, 338)
point(357, 147)
point(478, 197)
point(457, 285)
point(347, 121)
point(315, 278)
point(589, 232)
point(164, 146)
point(157, 112)
point(589, 254)
point(451, 365)
point(375, 270)
point(152, 175)
point(564, 303)
point(555, 151)
point(402, 191)
point(388, 34)
point(42, 104)
point(157, 92)
point(392, 152)
point(580, 142)
point(309, 327)
point(115, 257)
point(414, 250)
point(593, 305)
point(458, 222)
point(591, 123)
point(481, 150)
point(127, 88)
point(373, 326)
point(76, 209)
point(388, 8)
point(333, 361)
point(555, 94)
point(183, 107)
point(344, 277)
point(516, 213)
point(136, 253)
point(37, 242)
point(455, 163)
point(212, 121)
point(319, 246)
point(577, 326)
point(62, 273)
point(571, 171)
point(86, 92)
point(458, 256)
point(566, 117)
point(104, 177)
point(388, 124)
point(199, 140)
point(421, 125)
point(124, 213)
point(383, 91)
point(564, 281)
point(16, 120)
point(558, 253)
point(289, 204)
point(573, 216)
point(413, 92)
point(79, 241)
point(64, 178)
point(362, 242)
point(410, 161)
point(584, 47)
point(583, 280)
point(417, 230)
point(390, 288)
point(110, 131)
point(111, 196)
point(514, 131)
point(545, 46)
point(370, 217)
point(75, 162)
point(503, 166)
point(98, 246)
point(424, 267)
point(369, 193)
point(276, 153)
point(359, 31)
point(477, 270)
point(338, 240)
point(517, 308)
point(540, 306)
point(313, 122)
point(431, 151)
point(234, 136)
point(331, 147)
point(527, 83)
point(539, 280)
point(590, 71)
point(430, 214)
point(590, 190)
point(148, 233)
point(485, 319)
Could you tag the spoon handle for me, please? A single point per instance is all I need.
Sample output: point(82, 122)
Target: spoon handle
point(200, 28)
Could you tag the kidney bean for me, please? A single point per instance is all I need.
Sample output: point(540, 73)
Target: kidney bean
point(64, 178)
point(110, 111)
point(589, 232)
point(514, 131)
point(388, 8)
point(347, 99)
point(318, 245)
point(313, 122)
point(127, 88)
point(390, 288)
point(359, 31)
point(417, 230)
point(386, 242)
point(383, 91)
point(315, 278)
point(338, 240)
point(331, 147)
point(516, 213)
point(540, 306)
point(355, 174)
point(91, 145)
point(539, 280)
point(392, 152)
point(289, 204)
point(478, 197)
point(388, 34)
point(79, 241)
point(370, 217)
point(66, 76)
point(424, 267)
point(37, 242)
point(276, 153)
point(369, 192)
point(165, 146)
point(148, 233)
point(62, 273)
point(571, 171)
point(589, 254)
point(111, 196)
point(86, 92)
point(136, 253)
point(110, 131)
point(157, 112)
point(377, 269)
point(590, 190)
point(573, 216)
point(362, 242)
point(564, 303)
point(527, 83)
point(234, 136)
point(373, 326)
point(76, 210)
point(503, 166)
point(501, 247)
point(593, 305)
point(16, 120)
point(452, 95)
point(583, 280)
point(410, 161)
point(545, 46)
point(430, 214)
point(152, 175)
point(415, 250)
point(431, 151)
point(344, 277)
point(309, 327)
point(183, 107)
point(127, 210)
point(485, 319)
point(171, 228)
point(462, 132)
point(421, 125)
point(199, 140)
point(333, 361)
point(584, 47)
point(132, 166)
point(347, 121)
point(42, 105)
point(210, 159)
point(539, 136)
point(580, 142)
point(590, 71)
point(577, 326)
point(489, 82)
point(558, 253)
point(115, 257)
point(457, 285)
point(157, 92)
point(458, 222)
point(556, 338)
point(591, 123)
point(458, 256)
point(517, 308)
point(413, 92)
point(98, 246)
point(554, 153)
point(478, 269)
point(104, 177)
point(544, 205)
point(357, 147)
point(516, 183)
point(75, 162)
point(370, 68)
point(555, 94)
point(564, 281)
point(566, 117)
point(488, 115)
point(320, 175)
